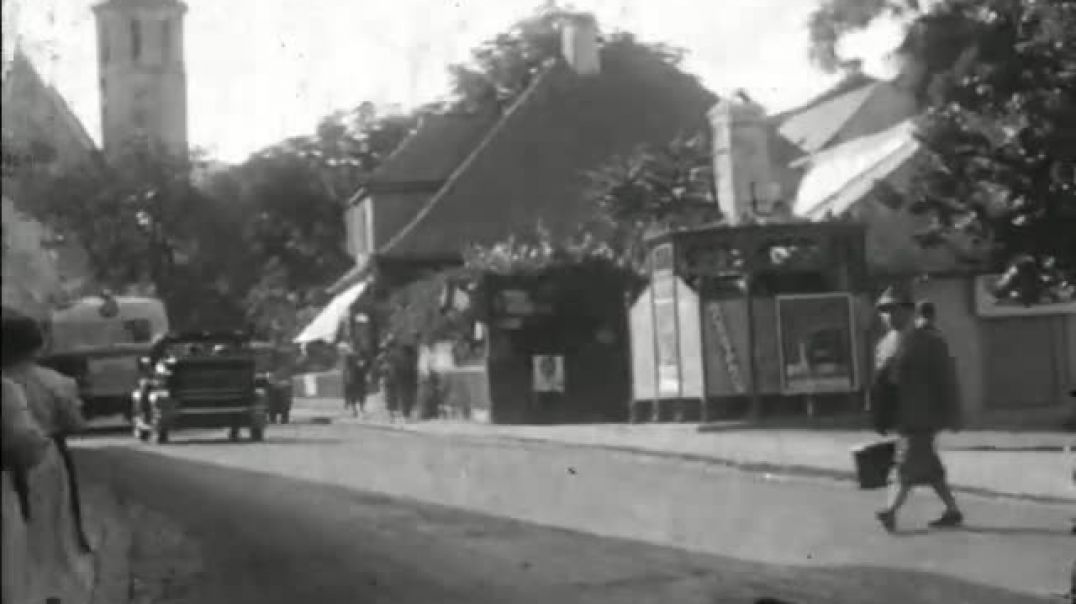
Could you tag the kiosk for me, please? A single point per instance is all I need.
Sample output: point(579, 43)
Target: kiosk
point(757, 319)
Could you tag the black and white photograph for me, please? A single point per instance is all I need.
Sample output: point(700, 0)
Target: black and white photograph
point(539, 301)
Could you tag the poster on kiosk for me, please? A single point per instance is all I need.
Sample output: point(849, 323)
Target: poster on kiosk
point(818, 345)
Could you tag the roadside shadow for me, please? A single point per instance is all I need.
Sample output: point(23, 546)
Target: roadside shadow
point(823, 424)
point(1013, 449)
point(988, 530)
point(269, 440)
point(1016, 530)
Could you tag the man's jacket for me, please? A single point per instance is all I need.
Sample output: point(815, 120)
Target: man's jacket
point(916, 388)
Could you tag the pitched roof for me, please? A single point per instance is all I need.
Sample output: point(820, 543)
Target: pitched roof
point(434, 150)
point(813, 128)
point(848, 83)
point(33, 108)
point(531, 167)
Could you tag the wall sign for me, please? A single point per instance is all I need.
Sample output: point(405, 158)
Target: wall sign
point(548, 373)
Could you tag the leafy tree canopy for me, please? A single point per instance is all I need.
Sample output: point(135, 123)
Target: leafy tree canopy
point(997, 79)
point(140, 221)
point(501, 67)
point(295, 195)
point(662, 187)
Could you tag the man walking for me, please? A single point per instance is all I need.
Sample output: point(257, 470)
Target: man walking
point(914, 368)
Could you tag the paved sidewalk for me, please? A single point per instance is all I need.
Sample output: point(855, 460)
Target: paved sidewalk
point(1033, 465)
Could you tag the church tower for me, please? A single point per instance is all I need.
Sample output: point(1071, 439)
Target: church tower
point(143, 79)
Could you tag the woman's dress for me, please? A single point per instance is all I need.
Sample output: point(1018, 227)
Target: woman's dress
point(60, 566)
point(24, 445)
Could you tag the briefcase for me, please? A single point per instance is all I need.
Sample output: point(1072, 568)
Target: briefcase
point(873, 462)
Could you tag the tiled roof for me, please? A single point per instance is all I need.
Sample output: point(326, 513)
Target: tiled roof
point(812, 129)
point(435, 149)
point(531, 167)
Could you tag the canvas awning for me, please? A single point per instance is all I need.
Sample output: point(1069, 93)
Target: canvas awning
point(839, 177)
point(326, 326)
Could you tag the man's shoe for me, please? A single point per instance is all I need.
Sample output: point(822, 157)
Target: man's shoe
point(888, 520)
point(949, 519)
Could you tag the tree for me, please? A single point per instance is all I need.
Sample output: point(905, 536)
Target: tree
point(835, 19)
point(997, 79)
point(140, 221)
point(502, 67)
point(656, 187)
point(294, 195)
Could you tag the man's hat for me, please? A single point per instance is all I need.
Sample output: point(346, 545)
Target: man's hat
point(926, 309)
point(895, 296)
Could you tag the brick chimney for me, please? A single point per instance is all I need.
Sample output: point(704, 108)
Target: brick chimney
point(747, 187)
point(579, 43)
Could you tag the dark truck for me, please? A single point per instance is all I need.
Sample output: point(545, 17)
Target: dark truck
point(206, 379)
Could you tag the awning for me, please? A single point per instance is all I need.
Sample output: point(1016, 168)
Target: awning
point(326, 326)
point(839, 177)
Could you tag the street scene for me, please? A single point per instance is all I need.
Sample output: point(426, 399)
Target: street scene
point(517, 301)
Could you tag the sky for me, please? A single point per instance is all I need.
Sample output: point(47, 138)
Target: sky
point(259, 71)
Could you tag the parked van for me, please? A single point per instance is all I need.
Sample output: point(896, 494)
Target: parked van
point(99, 340)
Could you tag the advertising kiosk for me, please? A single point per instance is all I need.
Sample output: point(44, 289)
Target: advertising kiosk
point(758, 320)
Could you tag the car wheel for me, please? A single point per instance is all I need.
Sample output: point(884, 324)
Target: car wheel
point(140, 433)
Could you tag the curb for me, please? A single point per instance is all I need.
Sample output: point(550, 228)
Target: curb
point(796, 471)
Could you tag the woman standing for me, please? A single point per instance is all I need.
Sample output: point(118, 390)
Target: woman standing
point(58, 553)
point(24, 447)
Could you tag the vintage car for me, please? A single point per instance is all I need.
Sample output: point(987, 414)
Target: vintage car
point(274, 367)
point(200, 380)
